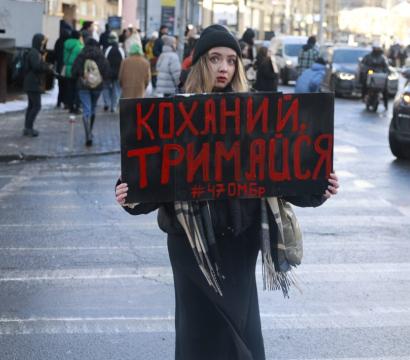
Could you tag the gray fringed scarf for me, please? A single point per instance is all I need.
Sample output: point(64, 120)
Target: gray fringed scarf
point(195, 219)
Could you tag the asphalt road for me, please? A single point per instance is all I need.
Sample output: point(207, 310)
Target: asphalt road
point(82, 279)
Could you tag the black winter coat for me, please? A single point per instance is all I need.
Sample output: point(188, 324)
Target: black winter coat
point(266, 78)
point(93, 53)
point(114, 57)
point(209, 326)
point(35, 67)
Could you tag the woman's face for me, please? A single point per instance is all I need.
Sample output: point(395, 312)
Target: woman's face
point(222, 63)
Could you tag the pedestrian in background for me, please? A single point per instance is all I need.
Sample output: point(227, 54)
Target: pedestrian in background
point(149, 53)
point(90, 69)
point(217, 319)
point(266, 76)
point(248, 38)
point(134, 75)
point(59, 65)
point(191, 38)
point(35, 69)
point(311, 79)
point(104, 41)
point(133, 37)
point(163, 30)
point(87, 30)
point(72, 48)
point(168, 67)
point(307, 55)
point(115, 55)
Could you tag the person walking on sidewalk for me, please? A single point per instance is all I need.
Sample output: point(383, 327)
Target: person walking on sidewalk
point(217, 319)
point(111, 91)
point(90, 69)
point(134, 75)
point(35, 69)
point(72, 48)
point(168, 67)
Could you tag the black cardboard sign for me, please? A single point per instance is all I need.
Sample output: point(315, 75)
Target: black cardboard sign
point(226, 145)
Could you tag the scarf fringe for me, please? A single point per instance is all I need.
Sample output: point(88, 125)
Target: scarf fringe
point(277, 280)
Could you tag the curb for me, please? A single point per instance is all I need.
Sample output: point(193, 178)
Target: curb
point(28, 157)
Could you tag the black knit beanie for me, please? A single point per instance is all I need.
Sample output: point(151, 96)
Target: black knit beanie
point(215, 36)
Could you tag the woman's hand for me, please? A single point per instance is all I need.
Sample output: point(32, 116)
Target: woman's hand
point(121, 193)
point(333, 186)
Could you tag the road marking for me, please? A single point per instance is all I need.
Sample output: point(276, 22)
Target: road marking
point(345, 149)
point(345, 174)
point(407, 357)
point(74, 225)
point(308, 273)
point(306, 220)
point(13, 185)
point(80, 248)
point(345, 319)
point(363, 184)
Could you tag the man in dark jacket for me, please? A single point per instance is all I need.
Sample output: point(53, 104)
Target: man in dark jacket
point(59, 63)
point(308, 55)
point(115, 55)
point(159, 43)
point(104, 37)
point(34, 82)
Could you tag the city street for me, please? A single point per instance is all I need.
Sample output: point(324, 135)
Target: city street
point(81, 279)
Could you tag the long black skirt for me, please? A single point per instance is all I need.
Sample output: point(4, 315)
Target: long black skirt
point(208, 326)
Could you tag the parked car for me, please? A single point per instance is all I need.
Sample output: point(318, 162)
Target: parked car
point(342, 74)
point(399, 130)
point(286, 50)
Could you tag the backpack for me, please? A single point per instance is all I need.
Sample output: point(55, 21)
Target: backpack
point(20, 66)
point(92, 77)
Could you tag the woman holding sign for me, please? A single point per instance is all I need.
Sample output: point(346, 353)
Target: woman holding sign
point(213, 245)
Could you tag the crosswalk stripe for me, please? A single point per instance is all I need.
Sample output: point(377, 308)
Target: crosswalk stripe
point(307, 273)
point(270, 321)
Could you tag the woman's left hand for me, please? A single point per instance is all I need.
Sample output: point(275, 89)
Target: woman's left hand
point(333, 186)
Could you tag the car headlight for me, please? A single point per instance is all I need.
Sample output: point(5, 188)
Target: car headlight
point(406, 99)
point(345, 76)
point(289, 62)
point(393, 76)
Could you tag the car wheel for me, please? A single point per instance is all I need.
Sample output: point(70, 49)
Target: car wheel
point(396, 148)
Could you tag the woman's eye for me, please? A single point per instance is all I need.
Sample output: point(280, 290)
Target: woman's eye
point(214, 59)
point(231, 61)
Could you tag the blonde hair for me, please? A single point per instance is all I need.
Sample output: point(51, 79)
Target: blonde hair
point(199, 81)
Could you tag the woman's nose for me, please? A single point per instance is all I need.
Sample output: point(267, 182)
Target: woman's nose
point(223, 66)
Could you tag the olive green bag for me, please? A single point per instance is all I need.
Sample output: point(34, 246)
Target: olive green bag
point(292, 235)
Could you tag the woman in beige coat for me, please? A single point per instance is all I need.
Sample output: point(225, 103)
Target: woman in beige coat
point(135, 73)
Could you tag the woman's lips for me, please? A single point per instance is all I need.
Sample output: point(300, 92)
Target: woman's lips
point(221, 79)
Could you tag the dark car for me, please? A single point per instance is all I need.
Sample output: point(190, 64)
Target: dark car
point(399, 131)
point(342, 75)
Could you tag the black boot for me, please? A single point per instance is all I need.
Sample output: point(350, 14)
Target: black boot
point(87, 130)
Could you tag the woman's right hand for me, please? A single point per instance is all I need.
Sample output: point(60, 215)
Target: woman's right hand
point(121, 193)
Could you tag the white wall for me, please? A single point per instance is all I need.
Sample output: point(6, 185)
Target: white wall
point(21, 20)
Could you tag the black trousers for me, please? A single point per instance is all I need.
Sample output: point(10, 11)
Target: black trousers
point(33, 108)
point(62, 89)
point(207, 325)
point(72, 100)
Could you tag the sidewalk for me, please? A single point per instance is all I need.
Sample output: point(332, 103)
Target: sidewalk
point(61, 135)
